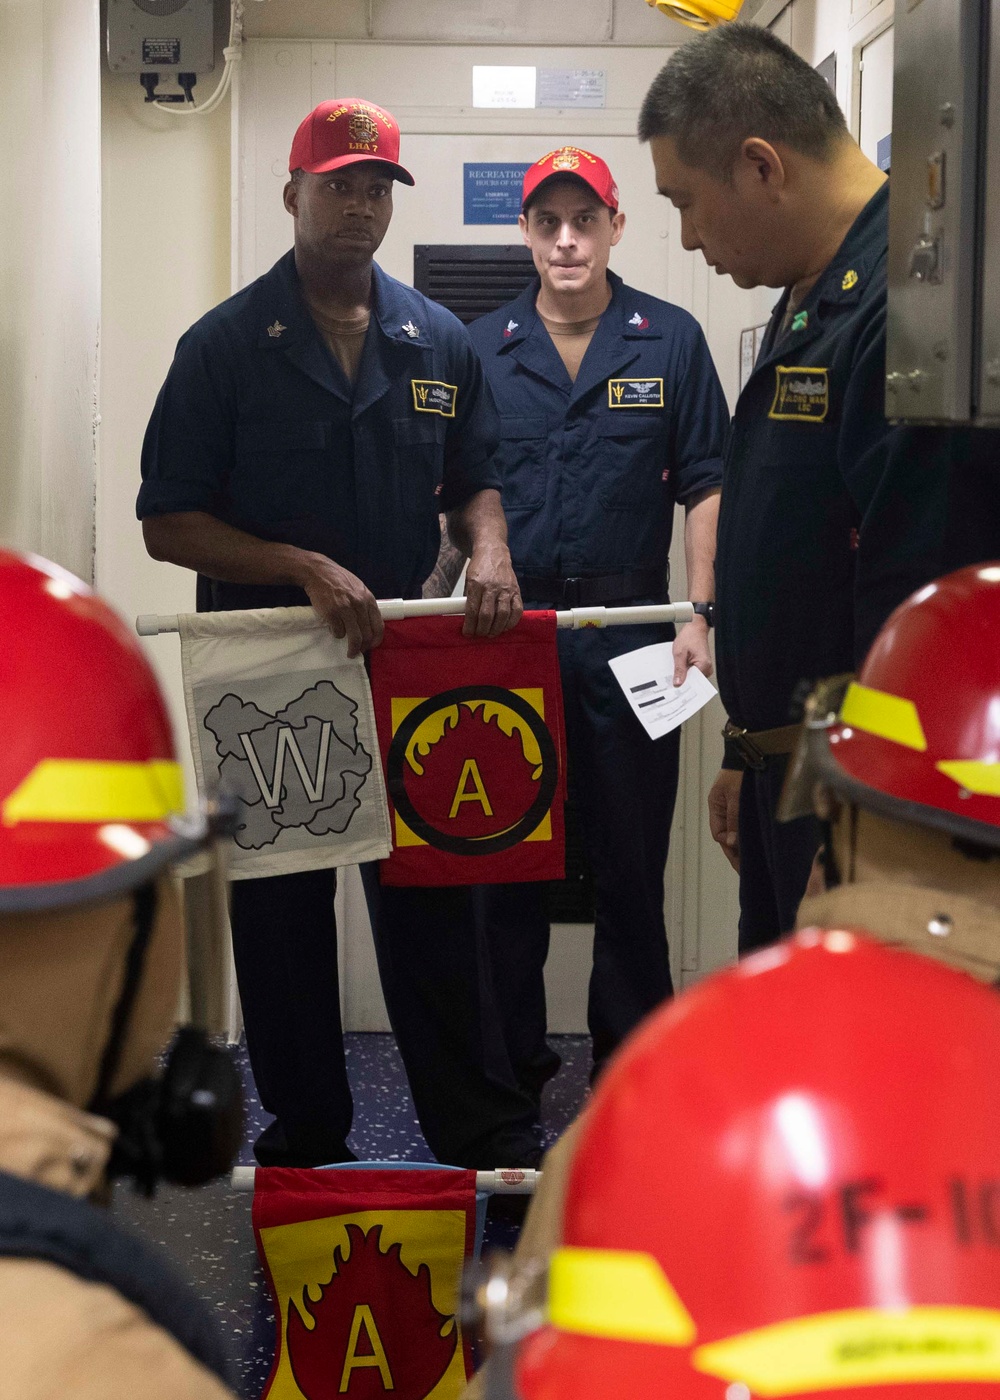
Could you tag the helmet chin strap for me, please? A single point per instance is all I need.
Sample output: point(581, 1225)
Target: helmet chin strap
point(186, 1125)
point(144, 902)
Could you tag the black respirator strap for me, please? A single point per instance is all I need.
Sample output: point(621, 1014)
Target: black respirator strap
point(144, 902)
point(851, 874)
point(831, 870)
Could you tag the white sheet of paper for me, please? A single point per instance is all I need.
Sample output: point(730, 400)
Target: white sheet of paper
point(647, 678)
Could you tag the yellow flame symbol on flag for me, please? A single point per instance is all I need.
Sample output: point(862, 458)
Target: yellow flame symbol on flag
point(433, 729)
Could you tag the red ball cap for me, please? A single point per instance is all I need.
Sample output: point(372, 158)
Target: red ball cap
point(571, 160)
point(788, 1185)
point(345, 132)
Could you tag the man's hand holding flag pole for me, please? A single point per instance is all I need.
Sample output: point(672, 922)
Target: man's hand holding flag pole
point(394, 609)
point(469, 730)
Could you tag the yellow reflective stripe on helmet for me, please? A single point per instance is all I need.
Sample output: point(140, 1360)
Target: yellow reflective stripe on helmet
point(616, 1293)
point(981, 778)
point(86, 790)
point(861, 1346)
point(888, 716)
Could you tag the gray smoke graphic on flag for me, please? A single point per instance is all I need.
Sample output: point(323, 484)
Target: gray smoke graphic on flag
point(301, 767)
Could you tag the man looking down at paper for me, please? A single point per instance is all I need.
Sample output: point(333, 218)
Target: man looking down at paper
point(748, 143)
point(309, 432)
point(611, 411)
point(830, 515)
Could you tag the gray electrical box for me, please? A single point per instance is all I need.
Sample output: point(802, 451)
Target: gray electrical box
point(161, 36)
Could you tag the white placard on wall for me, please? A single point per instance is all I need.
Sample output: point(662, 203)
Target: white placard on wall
point(750, 342)
point(571, 87)
point(494, 86)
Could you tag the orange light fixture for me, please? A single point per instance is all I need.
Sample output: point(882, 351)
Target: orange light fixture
point(698, 14)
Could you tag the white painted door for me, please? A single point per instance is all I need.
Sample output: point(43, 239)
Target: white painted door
point(875, 78)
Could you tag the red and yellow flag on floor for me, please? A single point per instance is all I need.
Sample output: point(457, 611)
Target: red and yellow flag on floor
point(473, 746)
point(364, 1270)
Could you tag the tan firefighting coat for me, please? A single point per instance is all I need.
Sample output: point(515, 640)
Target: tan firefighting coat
point(62, 1338)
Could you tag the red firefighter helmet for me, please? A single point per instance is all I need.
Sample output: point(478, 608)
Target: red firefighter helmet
point(916, 737)
point(788, 1184)
point(90, 787)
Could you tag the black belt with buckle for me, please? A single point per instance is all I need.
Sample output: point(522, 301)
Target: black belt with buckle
point(756, 747)
point(553, 592)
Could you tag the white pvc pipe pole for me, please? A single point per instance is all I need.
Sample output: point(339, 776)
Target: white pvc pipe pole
point(393, 609)
point(502, 1181)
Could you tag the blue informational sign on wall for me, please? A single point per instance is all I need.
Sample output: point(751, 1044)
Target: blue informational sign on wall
point(883, 152)
point(493, 193)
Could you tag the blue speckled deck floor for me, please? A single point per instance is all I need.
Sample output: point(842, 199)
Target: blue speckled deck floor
point(208, 1231)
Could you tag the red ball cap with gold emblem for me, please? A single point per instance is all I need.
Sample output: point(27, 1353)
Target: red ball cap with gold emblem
point(345, 132)
point(916, 736)
point(788, 1184)
point(91, 793)
point(571, 160)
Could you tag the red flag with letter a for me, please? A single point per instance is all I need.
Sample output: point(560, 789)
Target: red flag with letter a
point(364, 1269)
point(473, 745)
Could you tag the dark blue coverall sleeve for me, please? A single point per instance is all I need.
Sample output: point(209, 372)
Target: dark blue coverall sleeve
point(700, 420)
point(930, 496)
point(863, 453)
point(187, 452)
point(473, 435)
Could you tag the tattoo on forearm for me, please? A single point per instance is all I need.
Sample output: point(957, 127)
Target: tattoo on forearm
point(446, 571)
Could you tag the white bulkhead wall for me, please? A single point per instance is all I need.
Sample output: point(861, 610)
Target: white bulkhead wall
point(50, 277)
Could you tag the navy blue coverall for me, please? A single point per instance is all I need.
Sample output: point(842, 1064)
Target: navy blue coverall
point(830, 517)
point(591, 471)
point(258, 425)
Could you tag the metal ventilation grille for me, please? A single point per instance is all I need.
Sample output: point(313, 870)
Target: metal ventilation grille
point(471, 279)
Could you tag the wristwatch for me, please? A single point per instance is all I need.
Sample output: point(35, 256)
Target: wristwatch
point(707, 611)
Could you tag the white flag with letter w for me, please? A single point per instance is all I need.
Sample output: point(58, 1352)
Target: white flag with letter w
point(282, 720)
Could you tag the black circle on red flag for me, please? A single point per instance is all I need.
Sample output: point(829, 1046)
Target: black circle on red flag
point(472, 845)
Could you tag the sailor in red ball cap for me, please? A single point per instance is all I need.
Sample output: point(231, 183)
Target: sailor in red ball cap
point(309, 432)
point(612, 412)
point(336, 135)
